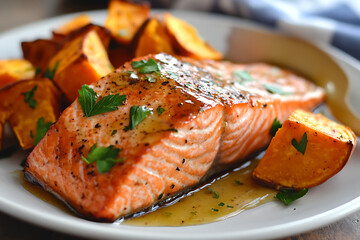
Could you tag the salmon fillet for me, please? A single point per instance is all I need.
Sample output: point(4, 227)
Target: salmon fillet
point(215, 115)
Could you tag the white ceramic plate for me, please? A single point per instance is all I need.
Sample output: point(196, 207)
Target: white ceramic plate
point(324, 204)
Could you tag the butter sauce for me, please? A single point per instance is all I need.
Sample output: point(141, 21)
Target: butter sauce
point(224, 198)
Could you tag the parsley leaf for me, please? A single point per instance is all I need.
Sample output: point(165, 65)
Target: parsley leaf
point(50, 73)
point(7, 152)
point(272, 88)
point(29, 97)
point(275, 127)
point(160, 196)
point(172, 75)
point(148, 66)
point(243, 76)
point(301, 146)
point(137, 115)
point(41, 129)
point(160, 110)
point(103, 156)
point(216, 194)
point(87, 99)
point(123, 32)
point(37, 71)
point(238, 182)
point(287, 196)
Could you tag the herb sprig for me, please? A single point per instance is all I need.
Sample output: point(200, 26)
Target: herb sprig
point(50, 73)
point(105, 157)
point(300, 146)
point(275, 127)
point(287, 196)
point(29, 97)
point(272, 88)
point(88, 98)
point(137, 115)
point(41, 129)
point(243, 76)
point(148, 66)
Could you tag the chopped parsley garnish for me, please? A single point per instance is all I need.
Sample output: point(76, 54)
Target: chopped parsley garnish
point(123, 32)
point(29, 97)
point(287, 196)
point(7, 152)
point(172, 75)
point(41, 129)
point(160, 196)
point(137, 115)
point(105, 157)
point(229, 206)
point(238, 182)
point(50, 73)
point(168, 214)
point(216, 194)
point(243, 76)
point(148, 66)
point(215, 209)
point(301, 146)
point(275, 126)
point(88, 97)
point(202, 110)
point(221, 204)
point(150, 79)
point(37, 71)
point(113, 132)
point(172, 130)
point(160, 110)
point(272, 88)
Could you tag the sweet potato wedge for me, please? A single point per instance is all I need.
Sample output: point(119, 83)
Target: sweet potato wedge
point(125, 18)
point(103, 33)
point(23, 109)
point(306, 151)
point(187, 40)
point(40, 51)
point(153, 38)
point(80, 21)
point(14, 70)
point(120, 54)
point(82, 60)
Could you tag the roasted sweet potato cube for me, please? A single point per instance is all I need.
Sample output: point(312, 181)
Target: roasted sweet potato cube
point(154, 38)
point(80, 21)
point(23, 109)
point(103, 33)
point(40, 51)
point(81, 61)
point(125, 18)
point(120, 54)
point(187, 41)
point(306, 151)
point(14, 70)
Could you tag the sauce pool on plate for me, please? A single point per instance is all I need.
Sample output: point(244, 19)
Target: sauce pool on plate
point(225, 197)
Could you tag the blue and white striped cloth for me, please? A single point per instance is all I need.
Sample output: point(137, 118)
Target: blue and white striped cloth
point(336, 22)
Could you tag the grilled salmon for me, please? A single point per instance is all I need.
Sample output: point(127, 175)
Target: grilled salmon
point(213, 115)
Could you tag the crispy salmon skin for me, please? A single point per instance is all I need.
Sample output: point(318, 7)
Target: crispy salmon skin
point(212, 114)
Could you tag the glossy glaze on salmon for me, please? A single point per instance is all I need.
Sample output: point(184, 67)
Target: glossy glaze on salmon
point(213, 117)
